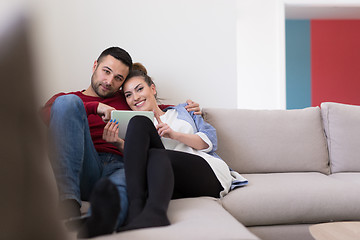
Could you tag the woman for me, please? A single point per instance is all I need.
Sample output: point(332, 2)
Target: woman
point(175, 159)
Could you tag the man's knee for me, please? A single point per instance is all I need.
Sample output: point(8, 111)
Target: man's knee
point(68, 104)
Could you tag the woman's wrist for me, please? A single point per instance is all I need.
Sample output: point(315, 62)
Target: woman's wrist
point(120, 145)
point(176, 136)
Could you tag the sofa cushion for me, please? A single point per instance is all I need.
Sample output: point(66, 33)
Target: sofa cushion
point(342, 128)
point(348, 177)
point(264, 141)
point(283, 232)
point(293, 198)
point(193, 219)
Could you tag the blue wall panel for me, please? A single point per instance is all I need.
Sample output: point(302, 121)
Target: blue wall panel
point(298, 64)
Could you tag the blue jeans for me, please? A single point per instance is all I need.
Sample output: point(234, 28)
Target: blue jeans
point(77, 165)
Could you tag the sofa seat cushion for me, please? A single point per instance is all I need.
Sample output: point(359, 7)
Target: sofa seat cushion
point(283, 232)
point(293, 198)
point(267, 141)
point(192, 218)
point(348, 177)
point(342, 128)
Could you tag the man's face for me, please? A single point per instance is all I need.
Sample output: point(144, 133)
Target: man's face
point(108, 76)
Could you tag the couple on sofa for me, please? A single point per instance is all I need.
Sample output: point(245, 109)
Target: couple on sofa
point(173, 157)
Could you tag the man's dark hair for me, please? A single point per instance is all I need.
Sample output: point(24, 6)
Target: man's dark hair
point(119, 54)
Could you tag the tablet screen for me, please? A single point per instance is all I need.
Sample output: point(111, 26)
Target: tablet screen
point(123, 117)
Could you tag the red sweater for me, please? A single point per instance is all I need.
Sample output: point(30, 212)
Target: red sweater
point(96, 124)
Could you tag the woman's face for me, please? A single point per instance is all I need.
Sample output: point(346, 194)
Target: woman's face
point(139, 96)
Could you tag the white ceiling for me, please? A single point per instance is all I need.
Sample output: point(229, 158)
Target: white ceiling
point(321, 12)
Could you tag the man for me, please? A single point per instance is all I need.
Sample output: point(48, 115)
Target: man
point(80, 156)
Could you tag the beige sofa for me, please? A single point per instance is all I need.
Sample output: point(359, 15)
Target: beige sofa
point(303, 168)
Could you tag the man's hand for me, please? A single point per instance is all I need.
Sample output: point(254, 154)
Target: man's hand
point(104, 111)
point(193, 106)
point(111, 134)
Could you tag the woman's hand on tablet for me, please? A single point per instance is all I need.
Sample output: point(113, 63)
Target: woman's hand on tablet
point(111, 134)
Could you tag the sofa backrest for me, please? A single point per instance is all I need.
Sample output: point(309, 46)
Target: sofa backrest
point(342, 128)
point(267, 141)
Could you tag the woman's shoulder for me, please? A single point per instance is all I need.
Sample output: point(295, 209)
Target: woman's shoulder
point(180, 106)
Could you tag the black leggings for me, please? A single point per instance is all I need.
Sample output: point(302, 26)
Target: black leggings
point(154, 174)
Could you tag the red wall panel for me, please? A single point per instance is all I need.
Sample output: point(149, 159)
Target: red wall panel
point(335, 61)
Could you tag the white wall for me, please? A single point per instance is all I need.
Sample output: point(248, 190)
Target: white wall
point(261, 54)
point(188, 47)
point(220, 53)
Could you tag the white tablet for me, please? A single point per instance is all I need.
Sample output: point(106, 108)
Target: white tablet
point(123, 117)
